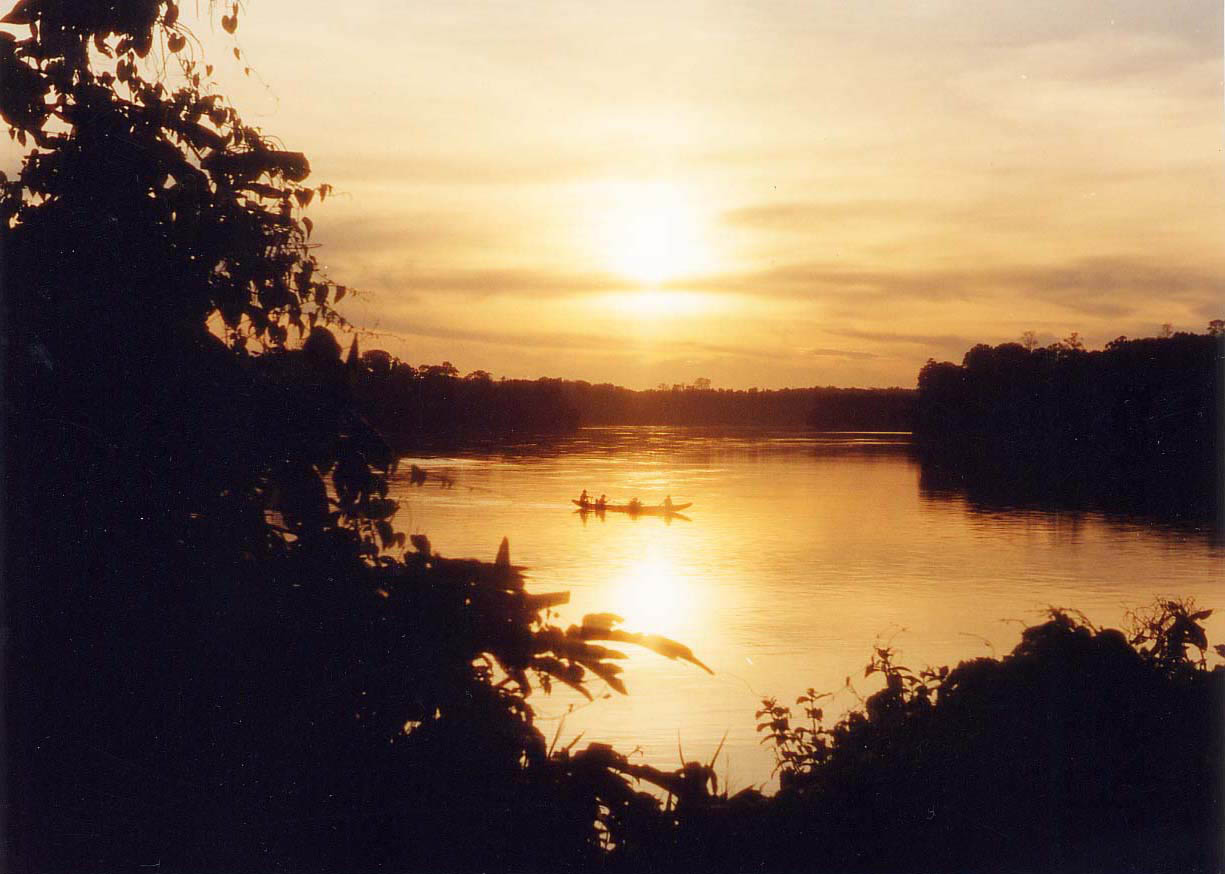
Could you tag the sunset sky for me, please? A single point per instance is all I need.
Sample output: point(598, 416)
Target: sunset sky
point(765, 193)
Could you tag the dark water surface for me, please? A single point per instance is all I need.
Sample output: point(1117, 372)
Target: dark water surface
point(800, 552)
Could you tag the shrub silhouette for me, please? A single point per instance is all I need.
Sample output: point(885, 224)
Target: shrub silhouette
point(1082, 750)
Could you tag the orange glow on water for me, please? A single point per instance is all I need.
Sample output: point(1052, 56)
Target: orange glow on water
point(800, 553)
point(654, 594)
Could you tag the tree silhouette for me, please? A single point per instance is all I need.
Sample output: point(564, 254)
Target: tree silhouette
point(214, 616)
point(1133, 427)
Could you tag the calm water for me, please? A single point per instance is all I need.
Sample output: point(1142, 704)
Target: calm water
point(801, 551)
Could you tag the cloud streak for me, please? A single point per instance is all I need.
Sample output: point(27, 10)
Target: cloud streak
point(405, 325)
point(1103, 286)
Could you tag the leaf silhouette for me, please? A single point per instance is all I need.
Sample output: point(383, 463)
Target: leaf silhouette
point(600, 626)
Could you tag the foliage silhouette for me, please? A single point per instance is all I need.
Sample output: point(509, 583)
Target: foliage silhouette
point(219, 657)
point(1135, 427)
point(1085, 749)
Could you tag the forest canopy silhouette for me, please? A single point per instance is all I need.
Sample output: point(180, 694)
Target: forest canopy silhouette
point(407, 403)
point(223, 655)
point(1133, 427)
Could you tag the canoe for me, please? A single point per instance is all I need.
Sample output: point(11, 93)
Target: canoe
point(660, 510)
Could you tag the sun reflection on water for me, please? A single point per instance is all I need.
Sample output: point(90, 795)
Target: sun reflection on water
point(653, 594)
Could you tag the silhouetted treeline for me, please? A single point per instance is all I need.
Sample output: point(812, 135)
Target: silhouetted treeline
point(406, 402)
point(1135, 427)
point(831, 409)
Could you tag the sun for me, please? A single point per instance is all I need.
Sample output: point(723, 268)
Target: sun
point(652, 233)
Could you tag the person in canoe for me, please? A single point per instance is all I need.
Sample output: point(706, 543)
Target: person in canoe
point(634, 505)
point(602, 502)
point(583, 500)
point(668, 504)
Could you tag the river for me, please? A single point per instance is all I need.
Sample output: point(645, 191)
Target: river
point(800, 553)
